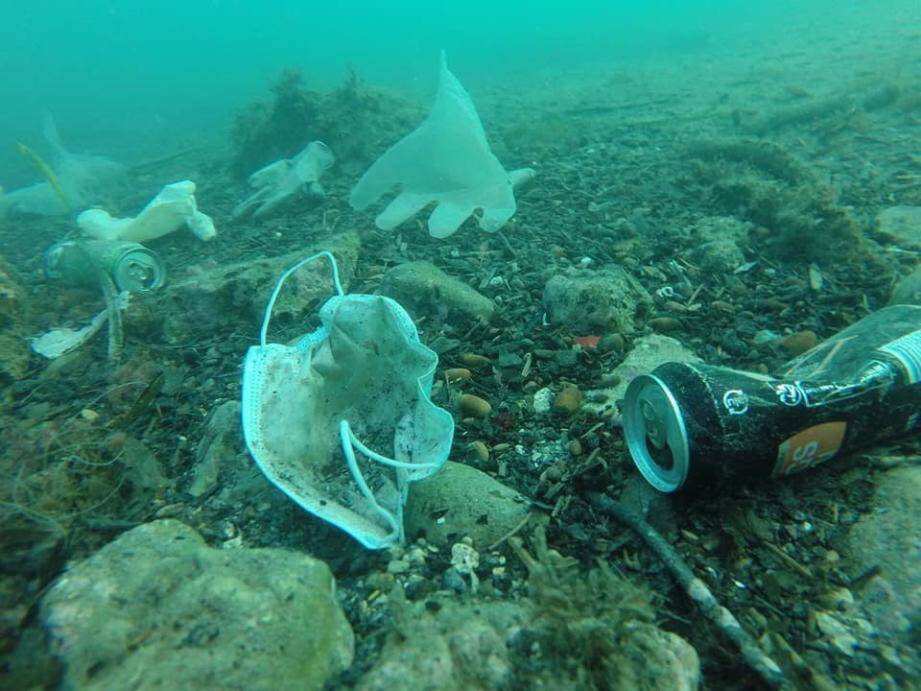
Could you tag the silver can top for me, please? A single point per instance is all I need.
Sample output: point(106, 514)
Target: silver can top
point(655, 433)
point(138, 271)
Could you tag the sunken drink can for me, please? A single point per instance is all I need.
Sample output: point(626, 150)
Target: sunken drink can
point(130, 265)
point(694, 423)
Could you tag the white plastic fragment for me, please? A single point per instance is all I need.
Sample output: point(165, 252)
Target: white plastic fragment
point(446, 161)
point(281, 180)
point(55, 343)
point(173, 208)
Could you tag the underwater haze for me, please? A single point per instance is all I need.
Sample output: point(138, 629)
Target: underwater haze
point(130, 76)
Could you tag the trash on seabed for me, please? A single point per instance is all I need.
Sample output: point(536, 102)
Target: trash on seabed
point(173, 207)
point(692, 423)
point(119, 268)
point(313, 411)
point(131, 266)
point(280, 181)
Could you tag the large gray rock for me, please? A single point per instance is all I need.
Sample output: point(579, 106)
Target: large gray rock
point(460, 501)
point(159, 609)
point(647, 353)
point(599, 301)
point(901, 224)
point(888, 536)
point(460, 647)
point(233, 297)
point(425, 290)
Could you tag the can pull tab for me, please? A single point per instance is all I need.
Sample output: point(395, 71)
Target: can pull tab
point(142, 275)
point(656, 433)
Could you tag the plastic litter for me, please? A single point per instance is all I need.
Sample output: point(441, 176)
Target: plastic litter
point(446, 161)
point(281, 180)
point(55, 343)
point(73, 181)
point(173, 208)
point(341, 421)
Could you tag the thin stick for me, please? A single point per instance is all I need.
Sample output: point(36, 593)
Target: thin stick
point(696, 589)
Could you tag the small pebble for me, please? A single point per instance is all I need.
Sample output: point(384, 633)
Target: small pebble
point(798, 343)
point(568, 400)
point(452, 580)
point(480, 451)
point(664, 324)
point(89, 415)
point(610, 379)
point(455, 374)
point(474, 406)
point(398, 566)
point(474, 361)
point(575, 447)
point(612, 343)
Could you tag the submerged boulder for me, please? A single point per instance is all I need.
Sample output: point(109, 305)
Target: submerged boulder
point(604, 300)
point(158, 609)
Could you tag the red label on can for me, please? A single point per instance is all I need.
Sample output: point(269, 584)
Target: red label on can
point(808, 448)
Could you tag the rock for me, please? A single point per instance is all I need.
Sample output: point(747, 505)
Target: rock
point(647, 353)
point(233, 297)
point(604, 300)
point(221, 442)
point(461, 646)
point(543, 401)
point(474, 406)
point(907, 290)
point(159, 609)
point(425, 290)
point(143, 470)
point(568, 400)
point(799, 342)
point(718, 241)
point(461, 501)
point(901, 224)
point(888, 536)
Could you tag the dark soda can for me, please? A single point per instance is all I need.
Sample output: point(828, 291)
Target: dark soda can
point(694, 423)
point(130, 265)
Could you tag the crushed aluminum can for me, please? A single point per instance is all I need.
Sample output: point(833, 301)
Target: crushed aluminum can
point(131, 266)
point(695, 424)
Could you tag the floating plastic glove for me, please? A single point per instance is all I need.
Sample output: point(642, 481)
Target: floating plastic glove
point(314, 413)
point(73, 180)
point(173, 208)
point(279, 181)
point(446, 161)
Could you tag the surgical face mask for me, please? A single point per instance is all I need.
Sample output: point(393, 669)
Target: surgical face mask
point(341, 420)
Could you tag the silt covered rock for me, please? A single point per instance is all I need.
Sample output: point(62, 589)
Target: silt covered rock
point(461, 501)
point(425, 290)
point(604, 300)
point(159, 609)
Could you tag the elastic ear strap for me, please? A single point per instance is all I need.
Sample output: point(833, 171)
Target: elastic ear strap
point(345, 436)
point(281, 281)
point(374, 456)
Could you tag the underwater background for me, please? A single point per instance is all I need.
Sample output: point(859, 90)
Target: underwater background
point(135, 75)
point(554, 199)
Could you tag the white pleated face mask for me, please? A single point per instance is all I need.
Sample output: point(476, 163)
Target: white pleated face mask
point(341, 421)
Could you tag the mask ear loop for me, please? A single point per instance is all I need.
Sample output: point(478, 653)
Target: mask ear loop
point(349, 443)
point(281, 281)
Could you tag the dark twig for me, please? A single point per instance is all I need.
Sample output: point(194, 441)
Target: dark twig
point(696, 589)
